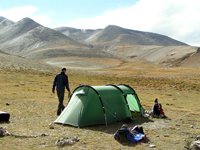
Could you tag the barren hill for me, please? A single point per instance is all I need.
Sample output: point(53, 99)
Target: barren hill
point(114, 34)
point(30, 39)
point(132, 44)
point(11, 62)
point(192, 61)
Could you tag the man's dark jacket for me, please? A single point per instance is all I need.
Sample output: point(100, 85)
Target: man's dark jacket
point(61, 82)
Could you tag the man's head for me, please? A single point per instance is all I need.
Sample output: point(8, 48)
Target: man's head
point(156, 100)
point(64, 70)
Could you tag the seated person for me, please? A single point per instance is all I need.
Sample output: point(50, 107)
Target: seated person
point(157, 109)
point(162, 114)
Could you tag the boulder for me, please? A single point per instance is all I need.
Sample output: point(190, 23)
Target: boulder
point(3, 132)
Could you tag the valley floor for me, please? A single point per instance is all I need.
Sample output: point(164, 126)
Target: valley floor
point(27, 96)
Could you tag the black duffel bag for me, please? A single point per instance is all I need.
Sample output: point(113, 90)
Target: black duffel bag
point(4, 116)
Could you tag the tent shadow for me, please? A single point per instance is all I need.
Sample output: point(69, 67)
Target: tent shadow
point(138, 120)
point(112, 128)
point(4, 122)
point(130, 144)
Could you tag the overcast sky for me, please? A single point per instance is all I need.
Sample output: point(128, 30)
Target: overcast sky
point(179, 19)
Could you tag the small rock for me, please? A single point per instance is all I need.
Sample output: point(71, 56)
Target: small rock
point(172, 128)
point(195, 145)
point(166, 135)
point(60, 143)
point(152, 146)
point(178, 125)
point(44, 134)
point(51, 126)
point(186, 147)
point(191, 126)
point(198, 137)
point(3, 132)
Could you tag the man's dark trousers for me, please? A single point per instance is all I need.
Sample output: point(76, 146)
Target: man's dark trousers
point(61, 107)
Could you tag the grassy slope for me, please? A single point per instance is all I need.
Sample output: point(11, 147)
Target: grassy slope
point(33, 107)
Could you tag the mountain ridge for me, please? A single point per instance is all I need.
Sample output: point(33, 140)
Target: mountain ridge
point(30, 39)
point(76, 34)
point(26, 35)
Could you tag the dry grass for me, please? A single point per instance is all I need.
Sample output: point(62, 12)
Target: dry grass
point(33, 107)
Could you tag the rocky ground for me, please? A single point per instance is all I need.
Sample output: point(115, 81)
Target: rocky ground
point(11, 62)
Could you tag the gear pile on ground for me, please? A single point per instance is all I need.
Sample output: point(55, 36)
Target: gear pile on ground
point(66, 141)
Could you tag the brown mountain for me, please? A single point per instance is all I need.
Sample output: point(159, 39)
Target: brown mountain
point(114, 34)
point(118, 35)
point(29, 39)
point(148, 46)
point(191, 61)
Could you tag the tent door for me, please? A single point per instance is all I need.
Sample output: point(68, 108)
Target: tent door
point(132, 102)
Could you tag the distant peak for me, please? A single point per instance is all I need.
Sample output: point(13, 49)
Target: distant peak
point(5, 21)
point(115, 29)
point(113, 26)
point(67, 29)
point(28, 21)
point(2, 18)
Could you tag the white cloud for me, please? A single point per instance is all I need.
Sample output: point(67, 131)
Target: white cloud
point(179, 19)
point(17, 13)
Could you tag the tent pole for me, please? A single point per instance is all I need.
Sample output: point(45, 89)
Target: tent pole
point(105, 120)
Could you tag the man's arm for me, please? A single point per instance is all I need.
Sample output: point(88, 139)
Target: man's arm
point(67, 83)
point(54, 85)
point(67, 86)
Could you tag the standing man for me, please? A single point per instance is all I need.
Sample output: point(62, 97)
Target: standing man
point(61, 82)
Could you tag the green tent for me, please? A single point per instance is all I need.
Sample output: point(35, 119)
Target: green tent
point(92, 105)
